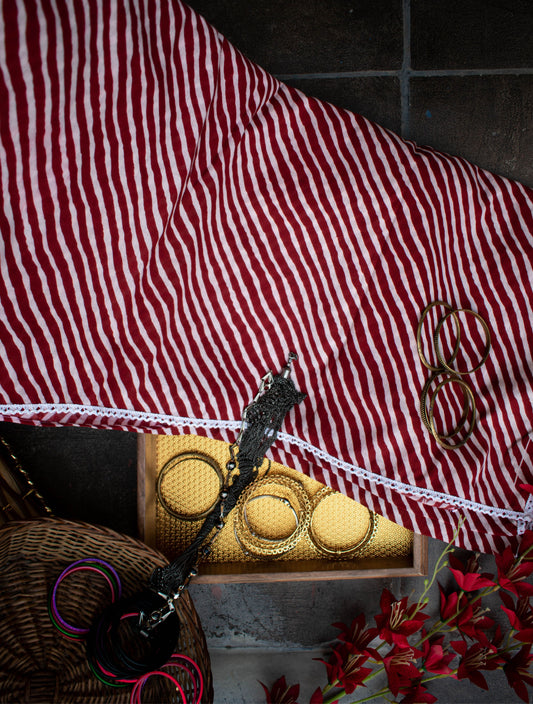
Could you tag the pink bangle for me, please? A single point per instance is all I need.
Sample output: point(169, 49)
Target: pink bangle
point(137, 689)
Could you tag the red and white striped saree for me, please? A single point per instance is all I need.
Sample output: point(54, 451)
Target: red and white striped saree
point(174, 221)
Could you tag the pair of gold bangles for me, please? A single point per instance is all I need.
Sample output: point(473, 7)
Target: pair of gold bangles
point(292, 494)
point(277, 488)
point(452, 375)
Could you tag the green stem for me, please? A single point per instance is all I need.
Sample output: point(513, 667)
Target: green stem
point(439, 565)
point(440, 624)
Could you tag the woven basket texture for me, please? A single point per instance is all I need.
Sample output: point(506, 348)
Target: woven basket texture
point(37, 664)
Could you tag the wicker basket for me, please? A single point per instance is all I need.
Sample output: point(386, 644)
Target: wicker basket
point(36, 663)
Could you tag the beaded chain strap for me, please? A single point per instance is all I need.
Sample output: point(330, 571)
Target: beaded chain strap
point(154, 609)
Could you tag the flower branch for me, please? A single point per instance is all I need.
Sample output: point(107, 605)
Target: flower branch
point(403, 648)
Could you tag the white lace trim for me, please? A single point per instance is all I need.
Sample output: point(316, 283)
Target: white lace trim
point(522, 519)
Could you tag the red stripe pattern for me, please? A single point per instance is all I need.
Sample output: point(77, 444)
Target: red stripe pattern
point(175, 220)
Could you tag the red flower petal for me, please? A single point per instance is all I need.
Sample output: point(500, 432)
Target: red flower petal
point(525, 635)
point(504, 561)
point(281, 693)
point(513, 618)
point(459, 646)
point(316, 697)
point(437, 660)
point(471, 581)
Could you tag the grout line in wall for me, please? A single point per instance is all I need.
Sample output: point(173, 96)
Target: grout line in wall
point(405, 73)
point(417, 73)
point(473, 72)
point(375, 73)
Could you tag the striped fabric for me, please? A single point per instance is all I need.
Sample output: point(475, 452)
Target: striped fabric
point(174, 221)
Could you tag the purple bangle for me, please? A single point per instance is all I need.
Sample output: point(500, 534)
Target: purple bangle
point(92, 565)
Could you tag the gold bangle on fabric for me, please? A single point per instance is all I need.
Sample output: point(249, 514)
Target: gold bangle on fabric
point(350, 551)
point(178, 463)
point(282, 500)
point(436, 342)
point(426, 310)
point(424, 409)
point(440, 438)
point(287, 491)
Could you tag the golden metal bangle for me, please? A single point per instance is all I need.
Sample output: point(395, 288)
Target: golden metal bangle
point(419, 334)
point(282, 500)
point(174, 463)
point(261, 546)
point(441, 439)
point(352, 550)
point(424, 409)
point(446, 364)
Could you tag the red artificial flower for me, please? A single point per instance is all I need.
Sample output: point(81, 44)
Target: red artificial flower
point(520, 617)
point(401, 669)
point(281, 693)
point(475, 658)
point(345, 668)
point(451, 606)
point(517, 671)
point(434, 658)
point(397, 620)
point(418, 694)
point(467, 576)
point(476, 622)
point(512, 572)
point(357, 635)
point(469, 620)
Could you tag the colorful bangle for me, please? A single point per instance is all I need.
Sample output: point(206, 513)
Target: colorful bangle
point(176, 463)
point(110, 660)
point(139, 685)
point(89, 564)
point(175, 661)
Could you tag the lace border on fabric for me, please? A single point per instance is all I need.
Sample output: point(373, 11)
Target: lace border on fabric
point(523, 519)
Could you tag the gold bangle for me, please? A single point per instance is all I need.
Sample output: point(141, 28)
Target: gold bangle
point(352, 550)
point(419, 334)
point(282, 500)
point(446, 365)
point(261, 546)
point(424, 409)
point(441, 439)
point(174, 463)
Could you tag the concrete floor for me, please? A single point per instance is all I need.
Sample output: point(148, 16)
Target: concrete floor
point(457, 75)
